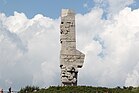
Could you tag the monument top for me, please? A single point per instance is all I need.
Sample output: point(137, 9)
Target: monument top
point(66, 12)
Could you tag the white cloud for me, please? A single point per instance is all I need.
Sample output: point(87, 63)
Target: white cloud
point(117, 5)
point(29, 49)
point(24, 45)
point(116, 40)
point(113, 6)
point(133, 79)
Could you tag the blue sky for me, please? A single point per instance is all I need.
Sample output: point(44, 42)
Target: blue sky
point(50, 8)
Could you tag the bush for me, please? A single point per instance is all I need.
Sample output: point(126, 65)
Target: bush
point(29, 89)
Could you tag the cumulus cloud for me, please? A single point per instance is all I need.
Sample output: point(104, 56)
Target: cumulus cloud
point(133, 79)
point(26, 46)
point(112, 7)
point(29, 49)
point(111, 48)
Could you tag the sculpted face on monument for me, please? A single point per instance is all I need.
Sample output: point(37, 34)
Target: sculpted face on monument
point(70, 58)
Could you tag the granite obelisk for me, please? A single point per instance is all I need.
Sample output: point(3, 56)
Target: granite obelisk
point(70, 58)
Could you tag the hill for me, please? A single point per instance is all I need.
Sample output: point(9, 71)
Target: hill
point(80, 89)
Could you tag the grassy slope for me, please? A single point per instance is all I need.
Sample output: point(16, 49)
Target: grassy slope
point(88, 89)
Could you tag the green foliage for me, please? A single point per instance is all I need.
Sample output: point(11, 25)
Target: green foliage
point(84, 89)
point(29, 89)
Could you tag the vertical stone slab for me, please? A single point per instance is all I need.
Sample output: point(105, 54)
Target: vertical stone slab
point(70, 58)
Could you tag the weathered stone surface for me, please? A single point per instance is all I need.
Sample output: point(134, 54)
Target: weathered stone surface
point(70, 58)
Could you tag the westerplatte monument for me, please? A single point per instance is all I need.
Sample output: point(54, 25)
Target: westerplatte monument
point(70, 58)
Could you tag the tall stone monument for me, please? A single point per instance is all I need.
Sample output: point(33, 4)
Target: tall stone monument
point(70, 58)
